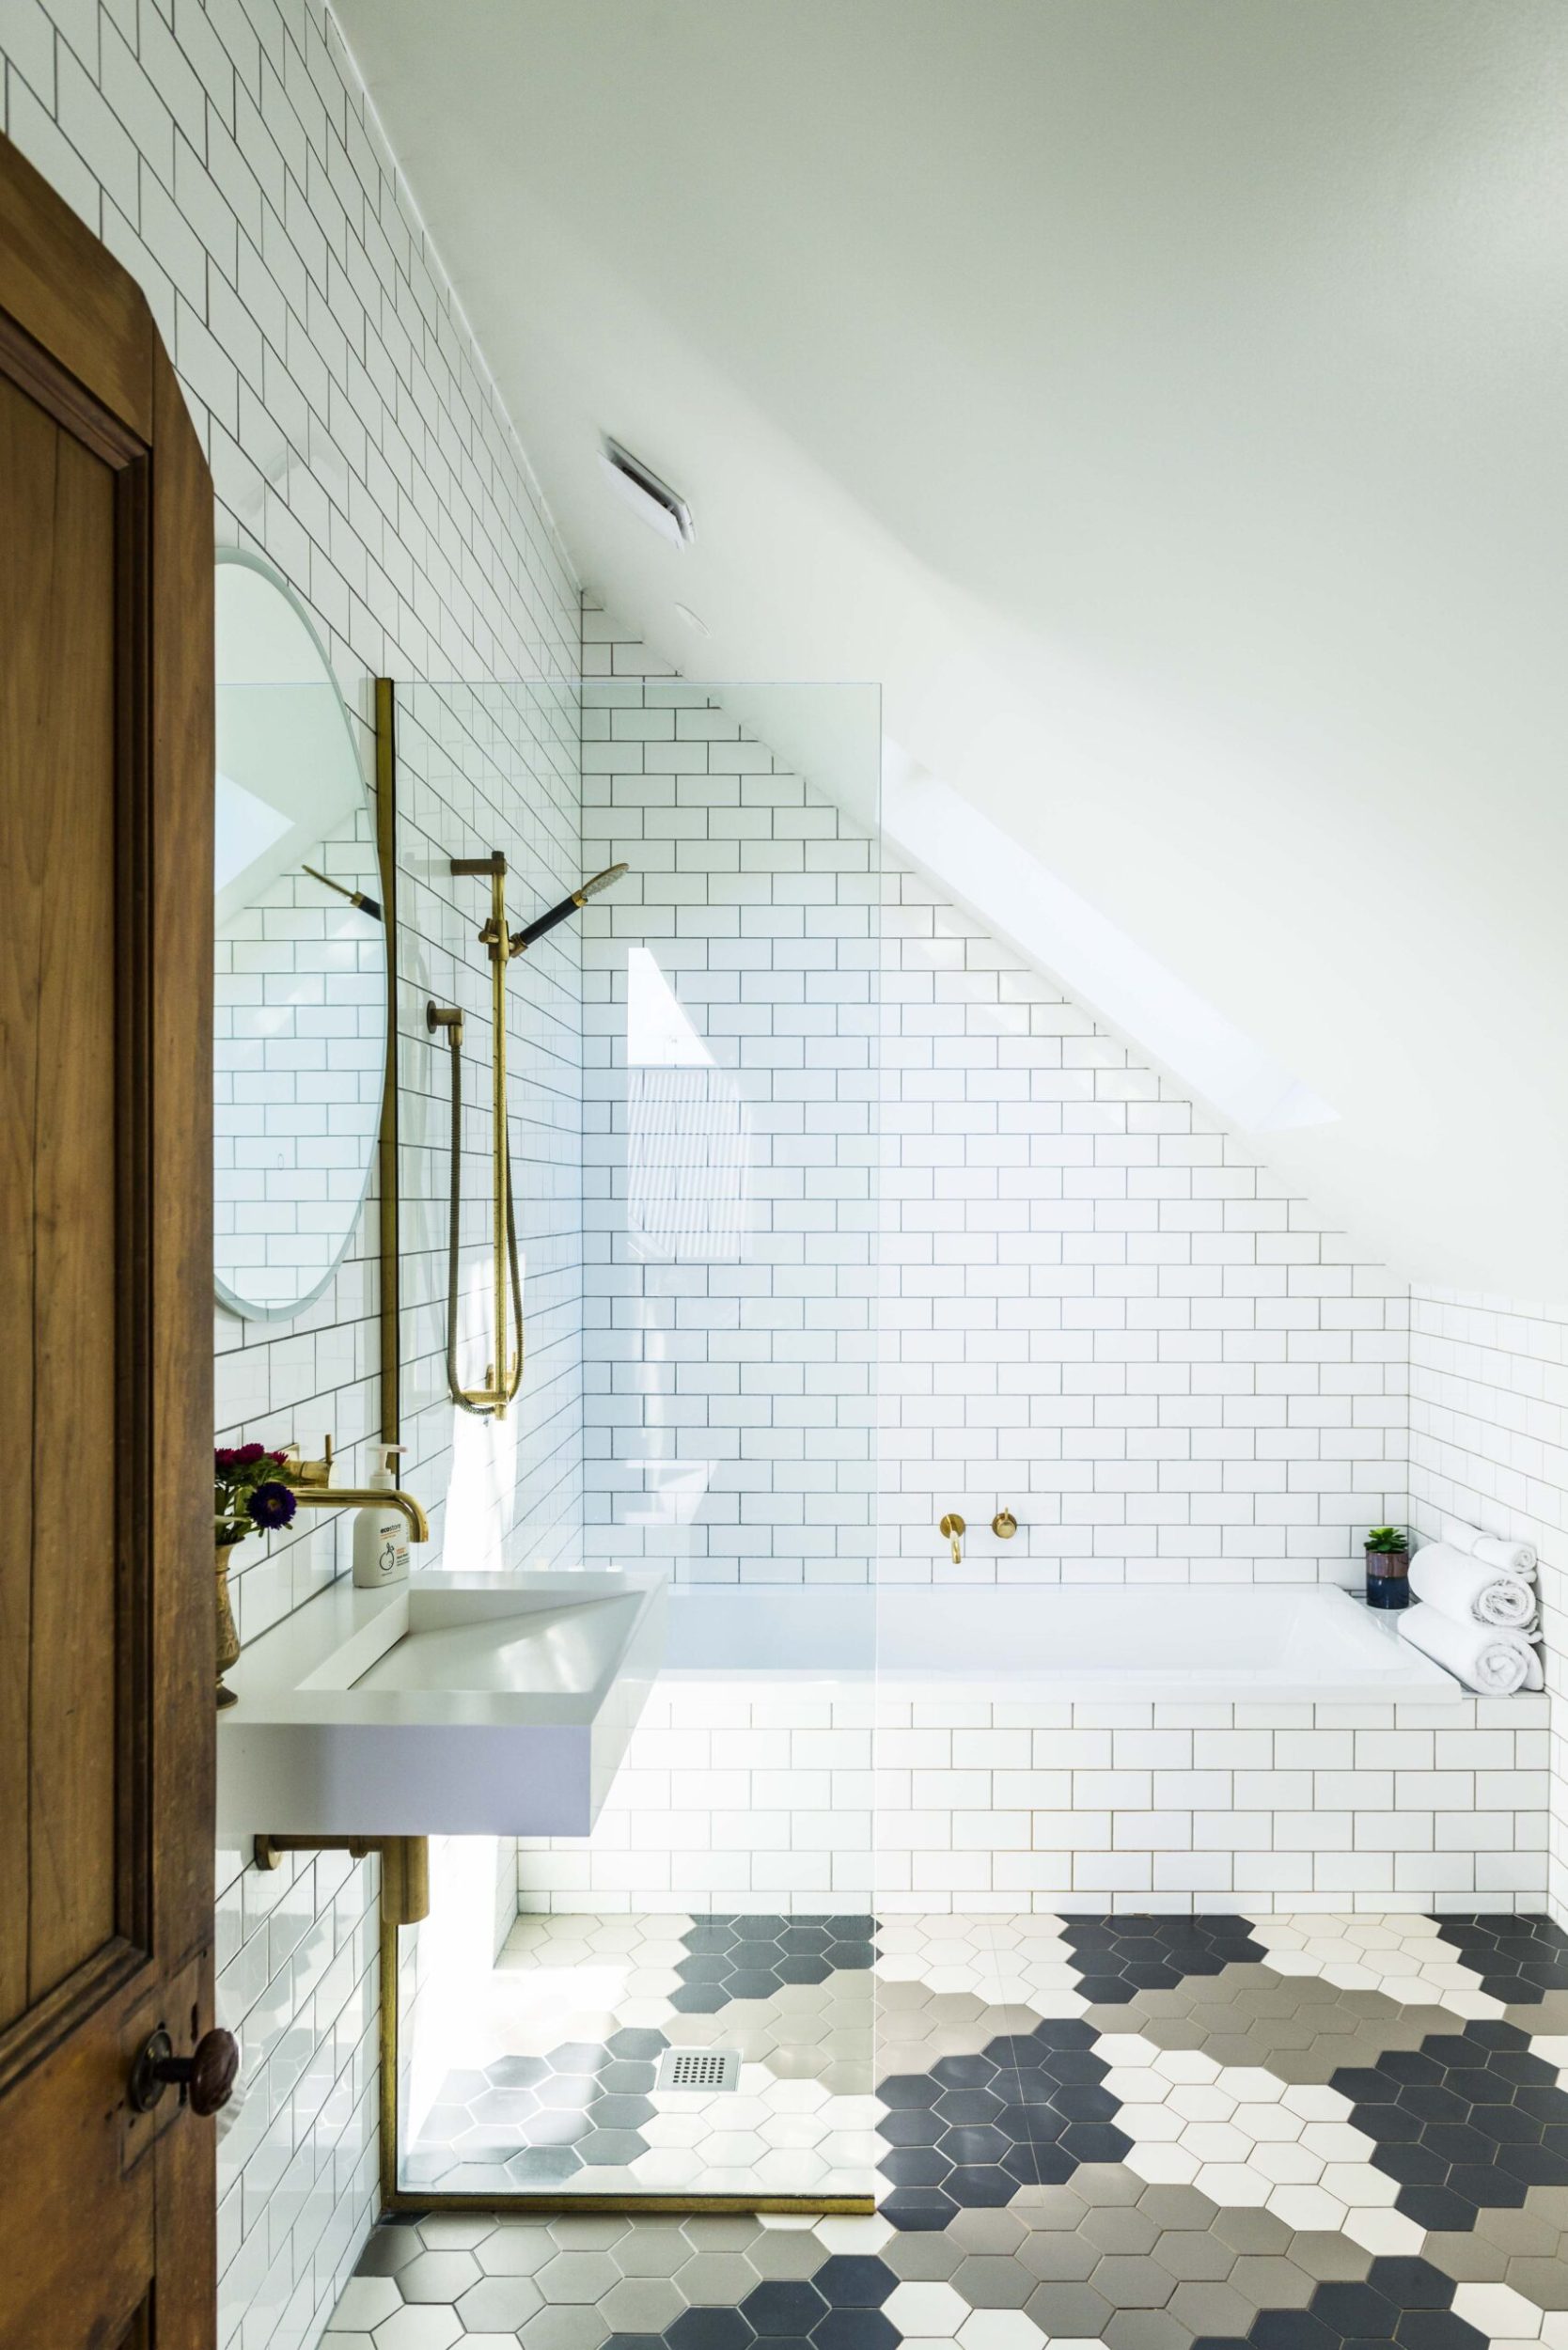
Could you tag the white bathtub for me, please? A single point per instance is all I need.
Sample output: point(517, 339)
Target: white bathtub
point(1203, 1644)
point(1057, 1750)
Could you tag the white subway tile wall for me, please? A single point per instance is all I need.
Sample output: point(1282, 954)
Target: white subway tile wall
point(739, 1794)
point(228, 154)
point(1097, 1310)
point(1489, 1445)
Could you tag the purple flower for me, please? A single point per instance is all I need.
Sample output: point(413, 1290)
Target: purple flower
point(272, 1505)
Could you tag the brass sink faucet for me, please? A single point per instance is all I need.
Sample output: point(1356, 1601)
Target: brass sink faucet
point(313, 1489)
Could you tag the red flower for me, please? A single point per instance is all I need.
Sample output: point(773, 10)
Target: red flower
point(223, 1459)
point(248, 1454)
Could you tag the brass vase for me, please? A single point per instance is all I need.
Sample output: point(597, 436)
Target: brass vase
point(228, 1638)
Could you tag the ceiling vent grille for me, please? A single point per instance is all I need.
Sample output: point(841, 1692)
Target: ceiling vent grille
point(709, 2069)
point(661, 508)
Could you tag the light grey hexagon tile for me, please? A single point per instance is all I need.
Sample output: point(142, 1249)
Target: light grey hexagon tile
point(366, 2301)
point(431, 2328)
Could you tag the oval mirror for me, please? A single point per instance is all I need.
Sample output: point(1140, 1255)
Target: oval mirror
point(299, 1051)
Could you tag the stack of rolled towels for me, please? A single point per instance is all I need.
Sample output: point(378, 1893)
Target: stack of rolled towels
point(1477, 1614)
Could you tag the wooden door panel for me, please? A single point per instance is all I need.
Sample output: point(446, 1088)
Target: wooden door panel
point(57, 515)
point(106, 1635)
point(63, 2281)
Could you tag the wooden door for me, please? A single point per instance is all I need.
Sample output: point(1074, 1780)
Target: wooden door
point(107, 1594)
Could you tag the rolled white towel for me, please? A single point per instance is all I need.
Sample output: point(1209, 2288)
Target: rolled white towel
point(1495, 1662)
point(1508, 1558)
point(1496, 1550)
point(1471, 1590)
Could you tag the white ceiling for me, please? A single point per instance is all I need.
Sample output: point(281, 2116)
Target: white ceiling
point(1164, 400)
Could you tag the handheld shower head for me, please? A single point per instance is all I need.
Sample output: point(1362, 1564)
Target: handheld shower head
point(522, 940)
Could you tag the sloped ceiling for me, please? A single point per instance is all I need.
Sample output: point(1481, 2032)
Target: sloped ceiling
point(1164, 399)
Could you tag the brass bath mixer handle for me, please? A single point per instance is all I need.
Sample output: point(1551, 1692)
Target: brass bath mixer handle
point(955, 1527)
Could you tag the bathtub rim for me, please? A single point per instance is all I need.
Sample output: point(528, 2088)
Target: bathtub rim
point(1415, 1679)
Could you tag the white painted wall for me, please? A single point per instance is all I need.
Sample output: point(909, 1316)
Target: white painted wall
point(1177, 449)
point(226, 151)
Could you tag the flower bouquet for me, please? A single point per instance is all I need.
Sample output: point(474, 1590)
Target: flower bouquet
point(252, 1493)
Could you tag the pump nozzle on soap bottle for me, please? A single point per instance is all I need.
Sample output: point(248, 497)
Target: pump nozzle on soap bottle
point(381, 1535)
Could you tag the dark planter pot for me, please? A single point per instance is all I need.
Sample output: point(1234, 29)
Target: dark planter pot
point(1387, 1578)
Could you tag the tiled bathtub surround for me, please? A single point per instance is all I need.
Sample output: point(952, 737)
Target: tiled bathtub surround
point(228, 154)
point(785, 1797)
point(1290, 2132)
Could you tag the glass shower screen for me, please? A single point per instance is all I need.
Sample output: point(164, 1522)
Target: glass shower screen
point(677, 2005)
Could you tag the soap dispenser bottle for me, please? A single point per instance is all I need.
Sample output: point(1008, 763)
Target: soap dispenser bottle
point(381, 1534)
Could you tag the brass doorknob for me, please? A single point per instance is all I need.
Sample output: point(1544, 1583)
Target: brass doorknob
point(205, 2078)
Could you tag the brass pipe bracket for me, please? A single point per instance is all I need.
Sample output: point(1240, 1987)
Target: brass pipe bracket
point(405, 1867)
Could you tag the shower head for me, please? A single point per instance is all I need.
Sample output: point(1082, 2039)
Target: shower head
point(522, 940)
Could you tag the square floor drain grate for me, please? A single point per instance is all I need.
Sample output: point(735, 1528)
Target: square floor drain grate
point(698, 2068)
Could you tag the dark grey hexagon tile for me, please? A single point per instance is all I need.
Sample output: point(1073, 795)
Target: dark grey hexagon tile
point(1027, 2110)
point(738, 1956)
point(1120, 1955)
point(1468, 2121)
point(1519, 1959)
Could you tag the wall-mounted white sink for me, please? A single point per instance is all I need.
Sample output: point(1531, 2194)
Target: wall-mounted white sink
point(453, 1704)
